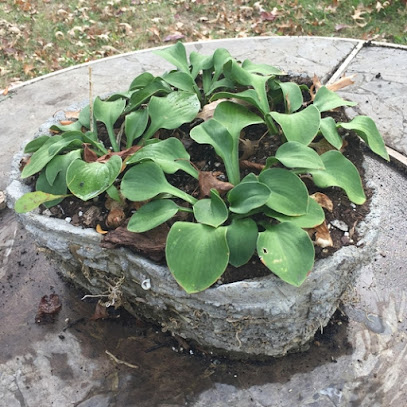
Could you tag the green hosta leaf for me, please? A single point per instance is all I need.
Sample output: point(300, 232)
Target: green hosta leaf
point(87, 180)
point(247, 196)
point(75, 126)
point(220, 57)
point(200, 63)
point(287, 251)
point(58, 165)
point(296, 155)
point(241, 238)
point(249, 96)
point(114, 193)
point(340, 172)
point(214, 133)
point(212, 212)
point(326, 100)
point(235, 117)
point(58, 188)
point(233, 71)
point(221, 83)
point(36, 144)
point(181, 81)
point(289, 195)
point(262, 69)
point(197, 255)
point(32, 200)
point(292, 96)
point(135, 124)
point(314, 216)
point(53, 146)
point(330, 133)
point(70, 140)
point(141, 81)
point(171, 111)
point(366, 128)
point(176, 55)
point(156, 87)
point(301, 126)
point(84, 117)
point(108, 113)
point(169, 154)
point(151, 215)
point(146, 180)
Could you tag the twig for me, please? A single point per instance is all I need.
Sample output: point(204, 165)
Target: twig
point(90, 99)
point(120, 362)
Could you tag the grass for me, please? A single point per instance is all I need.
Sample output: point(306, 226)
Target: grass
point(41, 36)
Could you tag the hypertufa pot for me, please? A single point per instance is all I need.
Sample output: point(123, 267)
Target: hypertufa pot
point(263, 316)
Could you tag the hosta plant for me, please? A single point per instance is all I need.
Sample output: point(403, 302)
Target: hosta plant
point(129, 145)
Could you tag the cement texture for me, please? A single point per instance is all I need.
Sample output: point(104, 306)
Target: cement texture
point(127, 362)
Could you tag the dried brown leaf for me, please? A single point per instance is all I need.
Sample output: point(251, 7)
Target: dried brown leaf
point(100, 312)
point(122, 154)
point(100, 230)
point(341, 83)
point(174, 37)
point(48, 308)
point(72, 115)
point(208, 180)
point(246, 164)
point(323, 200)
point(322, 236)
point(248, 148)
point(208, 110)
point(89, 155)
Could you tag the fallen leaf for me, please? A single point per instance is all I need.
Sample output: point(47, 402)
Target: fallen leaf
point(174, 37)
point(248, 148)
point(246, 164)
point(341, 83)
point(89, 155)
point(208, 110)
point(72, 115)
point(123, 154)
point(65, 122)
point(323, 200)
point(269, 15)
point(100, 312)
point(100, 230)
point(322, 236)
point(208, 180)
point(27, 68)
point(48, 308)
point(340, 27)
point(5, 91)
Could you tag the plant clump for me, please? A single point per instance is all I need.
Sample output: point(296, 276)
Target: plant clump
point(135, 143)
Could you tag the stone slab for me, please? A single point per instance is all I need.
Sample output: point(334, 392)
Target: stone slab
point(381, 90)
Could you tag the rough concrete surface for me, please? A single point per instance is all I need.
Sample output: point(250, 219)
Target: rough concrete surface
point(362, 362)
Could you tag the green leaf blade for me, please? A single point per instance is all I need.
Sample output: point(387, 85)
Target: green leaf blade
point(247, 196)
point(88, 180)
point(297, 155)
point(302, 126)
point(287, 251)
point(197, 255)
point(366, 128)
point(151, 215)
point(340, 172)
point(212, 212)
point(326, 99)
point(32, 200)
point(241, 238)
point(289, 195)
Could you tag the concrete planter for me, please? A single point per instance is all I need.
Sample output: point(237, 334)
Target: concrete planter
point(264, 316)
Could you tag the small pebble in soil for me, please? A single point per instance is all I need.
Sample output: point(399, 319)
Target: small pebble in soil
point(80, 213)
point(68, 219)
point(340, 225)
